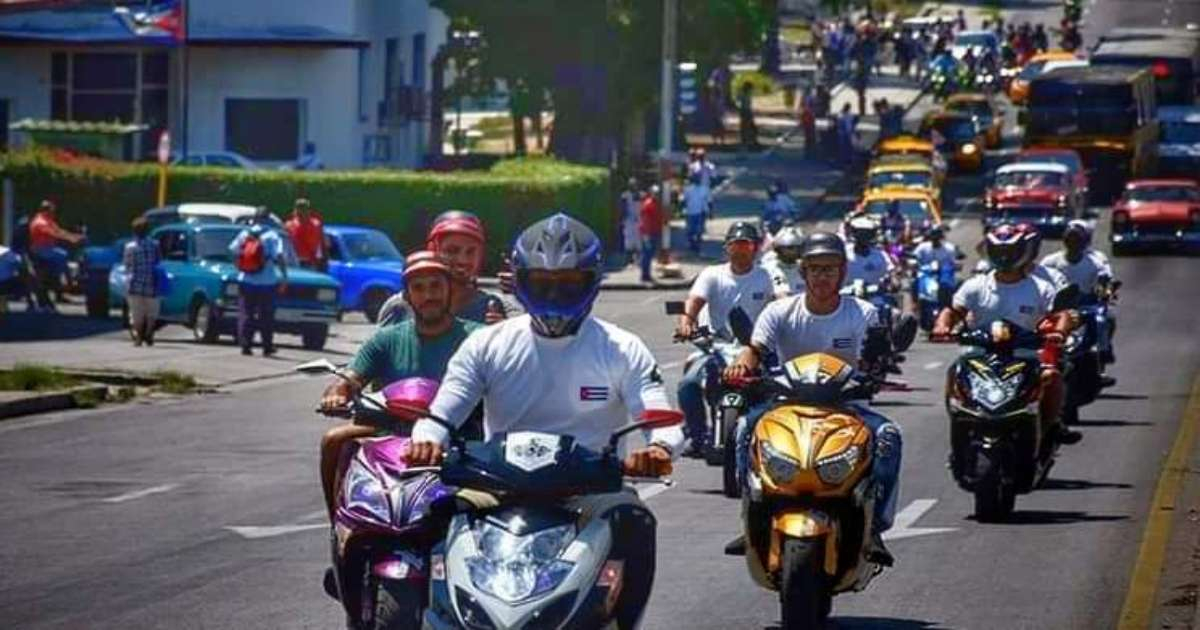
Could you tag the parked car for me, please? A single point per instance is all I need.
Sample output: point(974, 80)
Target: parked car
point(982, 108)
point(98, 260)
point(1069, 158)
point(1040, 193)
point(224, 159)
point(1157, 214)
point(368, 266)
point(202, 289)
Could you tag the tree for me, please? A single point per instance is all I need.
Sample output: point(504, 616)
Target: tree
point(598, 60)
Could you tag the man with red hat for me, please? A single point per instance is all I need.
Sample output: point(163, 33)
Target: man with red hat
point(419, 346)
point(307, 229)
point(458, 237)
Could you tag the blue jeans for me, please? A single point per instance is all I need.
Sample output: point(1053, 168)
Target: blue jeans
point(885, 467)
point(649, 248)
point(695, 230)
point(700, 378)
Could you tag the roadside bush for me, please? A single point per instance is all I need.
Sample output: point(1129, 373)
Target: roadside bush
point(106, 196)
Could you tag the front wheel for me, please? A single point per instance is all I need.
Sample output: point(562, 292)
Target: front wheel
point(204, 322)
point(397, 606)
point(729, 476)
point(929, 312)
point(314, 338)
point(994, 495)
point(804, 595)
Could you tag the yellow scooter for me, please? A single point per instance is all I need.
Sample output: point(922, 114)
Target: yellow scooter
point(808, 512)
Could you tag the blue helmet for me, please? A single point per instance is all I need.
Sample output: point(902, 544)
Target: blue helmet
point(557, 264)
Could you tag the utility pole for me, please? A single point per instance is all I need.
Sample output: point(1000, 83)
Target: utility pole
point(666, 115)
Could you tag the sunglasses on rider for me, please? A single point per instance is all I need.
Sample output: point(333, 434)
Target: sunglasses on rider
point(741, 246)
point(563, 288)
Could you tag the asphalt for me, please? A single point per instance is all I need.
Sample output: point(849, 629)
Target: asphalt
point(121, 517)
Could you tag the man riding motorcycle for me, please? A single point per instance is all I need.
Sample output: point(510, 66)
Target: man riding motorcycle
point(782, 262)
point(459, 238)
point(1090, 270)
point(558, 369)
point(1009, 292)
point(937, 249)
point(866, 261)
point(779, 208)
point(419, 346)
point(823, 320)
point(738, 283)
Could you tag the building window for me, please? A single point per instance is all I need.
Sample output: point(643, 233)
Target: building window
point(107, 87)
point(418, 61)
point(392, 65)
point(362, 85)
point(264, 129)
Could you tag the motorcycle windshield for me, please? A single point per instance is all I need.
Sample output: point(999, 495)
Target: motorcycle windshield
point(531, 464)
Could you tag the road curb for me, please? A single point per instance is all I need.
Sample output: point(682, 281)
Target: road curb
point(41, 402)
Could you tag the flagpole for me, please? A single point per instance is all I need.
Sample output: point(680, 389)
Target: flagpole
point(187, 33)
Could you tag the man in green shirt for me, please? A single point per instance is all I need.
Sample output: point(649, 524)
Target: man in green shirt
point(420, 346)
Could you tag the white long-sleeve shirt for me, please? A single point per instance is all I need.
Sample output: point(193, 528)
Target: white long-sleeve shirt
point(586, 385)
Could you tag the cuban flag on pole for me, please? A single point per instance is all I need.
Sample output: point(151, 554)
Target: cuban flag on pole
point(163, 22)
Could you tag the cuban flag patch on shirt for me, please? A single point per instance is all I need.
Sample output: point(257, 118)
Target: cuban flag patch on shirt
point(842, 343)
point(591, 393)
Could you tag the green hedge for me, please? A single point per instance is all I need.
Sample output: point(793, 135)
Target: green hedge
point(106, 196)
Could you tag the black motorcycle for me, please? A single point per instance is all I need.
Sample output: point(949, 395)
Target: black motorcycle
point(1000, 446)
point(1087, 350)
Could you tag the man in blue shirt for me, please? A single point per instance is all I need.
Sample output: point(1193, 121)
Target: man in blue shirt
point(260, 277)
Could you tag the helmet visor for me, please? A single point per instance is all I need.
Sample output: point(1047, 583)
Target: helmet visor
point(1006, 256)
point(558, 288)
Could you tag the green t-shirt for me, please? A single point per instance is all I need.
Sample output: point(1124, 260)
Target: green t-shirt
point(398, 352)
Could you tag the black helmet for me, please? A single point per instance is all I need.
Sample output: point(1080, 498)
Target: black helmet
point(935, 231)
point(823, 244)
point(742, 231)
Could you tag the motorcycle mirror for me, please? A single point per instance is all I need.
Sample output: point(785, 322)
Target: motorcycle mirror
point(674, 307)
point(319, 366)
point(1066, 298)
point(740, 324)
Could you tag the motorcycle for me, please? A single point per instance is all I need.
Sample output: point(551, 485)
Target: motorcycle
point(726, 407)
point(941, 83)
point(935, 285)
point(1000, 446)
point(382, 529)
point(807, 516)
point(1086, 349)
point(901, 327)
point(538, 536)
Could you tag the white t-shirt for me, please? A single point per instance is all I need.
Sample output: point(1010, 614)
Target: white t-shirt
point(722, 290)
point(871, 268)
point(787, 278)
point(945, 254)
point(789, 330)
point(695, 199)
point(1085, 273)
point(586, 385)
point(705, 169)
point(1023, 303)
point(1051, 276)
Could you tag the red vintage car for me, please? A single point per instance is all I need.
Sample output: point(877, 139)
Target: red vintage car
point(1067, 157)
point(1040, 193)
point(1158, 214)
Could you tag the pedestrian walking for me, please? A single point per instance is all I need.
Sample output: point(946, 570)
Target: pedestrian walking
point(262, 273)
point(748, 128)
point(307, 230)
point(696, 199)
point(141, 257)
point(630, 202)
point(846, 130)
point(650, 227)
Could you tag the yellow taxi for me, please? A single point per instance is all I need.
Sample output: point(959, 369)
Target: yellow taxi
point(1018, 89)
point(920, 207)
point(908, 172)
point(910, 145)
point(957, 139)
point(988, 117)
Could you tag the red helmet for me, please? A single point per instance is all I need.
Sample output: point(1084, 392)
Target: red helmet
point(424, 261)
point(1007, 247)
point(1034, 236)
point(466, 225)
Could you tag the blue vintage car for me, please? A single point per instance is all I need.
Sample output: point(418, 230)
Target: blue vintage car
point(368, 266)
point(202, 291)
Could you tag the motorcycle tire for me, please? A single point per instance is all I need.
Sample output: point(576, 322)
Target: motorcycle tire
point(729, 477)
point(928, 315)
point(397, 606)
point(994, 499)
point(905, 332)
point(804, 595)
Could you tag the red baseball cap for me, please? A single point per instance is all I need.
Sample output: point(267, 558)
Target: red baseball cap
point(424, 261)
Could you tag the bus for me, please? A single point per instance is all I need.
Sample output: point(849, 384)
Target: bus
point(1174, 61)
point(1106, 113)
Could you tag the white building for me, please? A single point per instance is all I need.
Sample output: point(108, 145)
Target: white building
point(263, 77)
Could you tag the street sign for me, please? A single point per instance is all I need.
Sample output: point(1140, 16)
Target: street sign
point(686, 87)
point(164, 148)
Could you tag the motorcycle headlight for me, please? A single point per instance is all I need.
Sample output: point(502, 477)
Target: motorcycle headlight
point(1074, 341)
point(365, 493)
point(230, 290)
point(969, 148)
point(780, 467)
point(515, 568)
point(836, 468)
point(326, 295)
point(994, 393)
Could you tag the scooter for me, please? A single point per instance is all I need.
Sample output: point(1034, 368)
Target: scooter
point(807, 515)
point(1000, 446)
point(726, 407)
point(901, 327)
point(934, 283)
point(541, 534)
point(382, 529)
point(1086, 349)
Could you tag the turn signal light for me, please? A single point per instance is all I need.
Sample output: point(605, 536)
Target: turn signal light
point(1120, 219)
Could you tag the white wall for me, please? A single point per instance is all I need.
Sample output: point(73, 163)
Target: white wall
point(324, 78)
point(25, 83)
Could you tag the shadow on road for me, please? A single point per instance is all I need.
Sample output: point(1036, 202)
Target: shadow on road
point(882, 623)
point(1054, 517)
point(1114, 423)
point(900, 403)
point(1124, 397)
point(42, 327)
point(1079, 484)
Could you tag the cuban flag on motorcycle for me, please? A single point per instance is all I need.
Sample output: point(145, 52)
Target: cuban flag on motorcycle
point(162, 22)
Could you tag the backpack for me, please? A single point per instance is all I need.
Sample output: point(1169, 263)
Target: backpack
point(251, 258)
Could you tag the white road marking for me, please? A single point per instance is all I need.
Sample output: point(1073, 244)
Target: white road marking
point(670, 366)
point(137, 494)
point(251, 532)
point(933, 365)
point(646, 491)
point(954, 222)
point(906, 518)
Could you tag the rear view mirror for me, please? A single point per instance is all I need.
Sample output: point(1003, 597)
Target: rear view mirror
point(319, 366)
point(740, 324)
point(674, 308)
